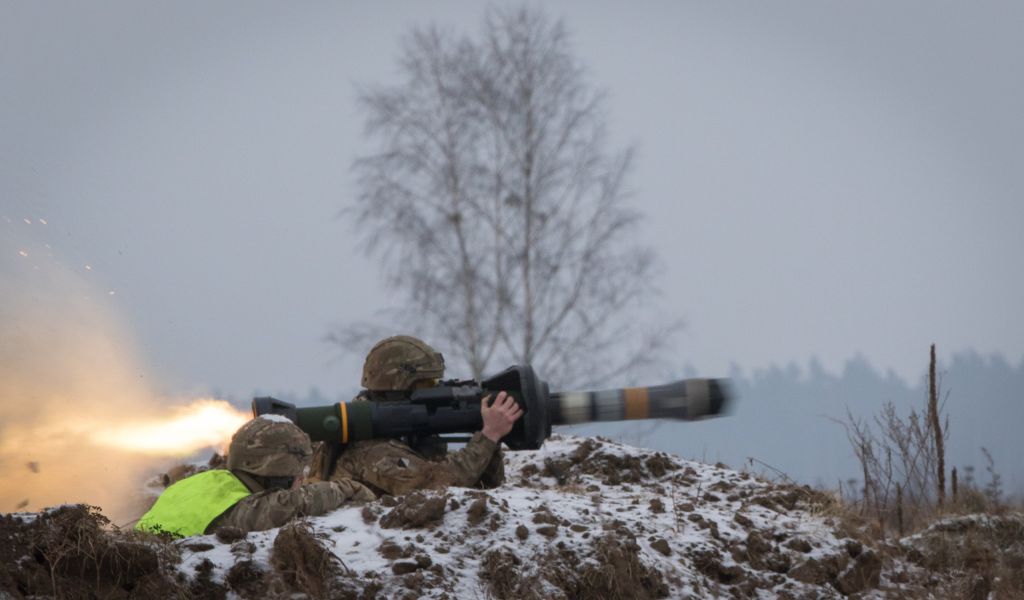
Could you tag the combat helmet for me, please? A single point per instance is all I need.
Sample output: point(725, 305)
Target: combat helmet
point(399, 362)
point(270, 446)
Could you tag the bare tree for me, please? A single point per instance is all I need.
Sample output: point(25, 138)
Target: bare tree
point(497, 210)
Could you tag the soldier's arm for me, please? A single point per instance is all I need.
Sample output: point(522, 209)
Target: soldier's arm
point(274, 508)
point(468, 465)
point(396, 469)
point(481, 460)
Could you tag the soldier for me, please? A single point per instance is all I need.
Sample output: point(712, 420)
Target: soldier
point(266, 457)
point(396, 467)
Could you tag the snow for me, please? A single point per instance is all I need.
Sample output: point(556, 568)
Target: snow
point(697, 513)
point(275, 418)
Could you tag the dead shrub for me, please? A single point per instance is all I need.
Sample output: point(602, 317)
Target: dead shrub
point(303, 562)
point(71, 552)
point(902, 460)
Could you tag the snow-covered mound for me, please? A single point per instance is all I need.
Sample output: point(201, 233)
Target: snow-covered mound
point(578, 518)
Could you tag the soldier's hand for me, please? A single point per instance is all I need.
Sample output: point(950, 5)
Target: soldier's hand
point(500, 416)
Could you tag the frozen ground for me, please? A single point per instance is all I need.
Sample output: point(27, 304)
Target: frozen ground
point(581, 516)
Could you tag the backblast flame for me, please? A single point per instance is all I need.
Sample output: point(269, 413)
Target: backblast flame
point(202, 424)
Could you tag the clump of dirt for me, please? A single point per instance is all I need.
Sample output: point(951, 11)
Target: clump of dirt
point(864, 573)
point(662, 546)
point(71, 552)
point(659, 464)
point(392, 551)
point(249, 581)
point(228, 534)
point(529, 470)
point(403, 567)
point(499, 568)
point(590, 458)
point(477, 511)
point(618, 572)
point(203, 587)
point(784, 498)
point(303, 562)
point(610, 568)
point(559, 468)
point(415, 510)
point(584, 450)
point(542, 515)
point(709, 561)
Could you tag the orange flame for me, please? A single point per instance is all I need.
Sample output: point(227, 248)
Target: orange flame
point(202, 424)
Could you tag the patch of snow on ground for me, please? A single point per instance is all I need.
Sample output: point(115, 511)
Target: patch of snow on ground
point(704, 529)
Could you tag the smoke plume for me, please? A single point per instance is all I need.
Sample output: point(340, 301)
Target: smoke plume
point(78, 422)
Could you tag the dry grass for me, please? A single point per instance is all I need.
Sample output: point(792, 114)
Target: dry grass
point(969, 543)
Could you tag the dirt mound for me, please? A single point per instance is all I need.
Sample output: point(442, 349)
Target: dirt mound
point(71, 552)
point(580, 518)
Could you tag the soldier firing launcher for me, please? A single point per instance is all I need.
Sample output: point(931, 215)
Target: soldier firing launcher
point(454, 407)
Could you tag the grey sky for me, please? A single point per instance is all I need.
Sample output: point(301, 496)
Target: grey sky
point(819, 178)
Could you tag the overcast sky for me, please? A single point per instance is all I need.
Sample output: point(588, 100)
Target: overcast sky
point(819, 178)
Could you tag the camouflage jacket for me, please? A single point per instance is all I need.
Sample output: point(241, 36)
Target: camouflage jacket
point(266, 509)
point(393, 467)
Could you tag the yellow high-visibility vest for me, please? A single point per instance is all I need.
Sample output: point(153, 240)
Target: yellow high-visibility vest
point(190, 505)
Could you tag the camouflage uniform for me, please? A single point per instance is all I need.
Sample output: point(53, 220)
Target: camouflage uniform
point(266, 455)
point(266, 509)
point(394, 466)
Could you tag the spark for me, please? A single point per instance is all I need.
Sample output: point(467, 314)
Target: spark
point(43, 221)
point(28, 221)
point(23, 253)
point(88, 267)
point(111, 292)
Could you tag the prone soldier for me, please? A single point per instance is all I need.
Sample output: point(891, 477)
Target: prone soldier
point(257, 491)
point(397, 466)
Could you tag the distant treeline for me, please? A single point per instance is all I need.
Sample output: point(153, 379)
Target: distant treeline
point(785, 418)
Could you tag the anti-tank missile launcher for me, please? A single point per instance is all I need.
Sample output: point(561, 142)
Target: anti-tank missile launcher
point(453, 407)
